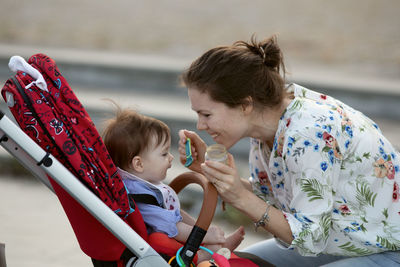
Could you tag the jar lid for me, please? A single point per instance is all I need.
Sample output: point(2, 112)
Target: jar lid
point(216, 151)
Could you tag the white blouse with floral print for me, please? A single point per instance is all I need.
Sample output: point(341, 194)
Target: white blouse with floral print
point(333, 174)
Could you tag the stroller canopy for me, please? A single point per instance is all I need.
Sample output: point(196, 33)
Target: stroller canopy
point(55, 119)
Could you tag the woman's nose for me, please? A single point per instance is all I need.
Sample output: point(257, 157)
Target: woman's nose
point(201, 125)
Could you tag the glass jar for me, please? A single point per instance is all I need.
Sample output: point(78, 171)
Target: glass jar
point(218, 153)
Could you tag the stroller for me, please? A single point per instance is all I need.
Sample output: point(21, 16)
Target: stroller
point(58, 142)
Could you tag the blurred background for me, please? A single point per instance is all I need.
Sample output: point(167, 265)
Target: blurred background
point(358, 37)
point(133, 52)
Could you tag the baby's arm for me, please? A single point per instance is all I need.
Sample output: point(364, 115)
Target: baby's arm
point(184, 227)
point(183, 231)
point(214, 235)
point(186, 218)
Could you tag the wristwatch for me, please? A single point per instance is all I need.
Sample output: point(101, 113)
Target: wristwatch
point(263, 221)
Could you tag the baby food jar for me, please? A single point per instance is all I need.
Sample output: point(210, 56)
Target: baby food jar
point(218, 153)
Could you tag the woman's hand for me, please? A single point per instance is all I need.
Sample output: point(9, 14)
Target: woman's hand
point(199, 148)
point(226, 180)
point(233, 190)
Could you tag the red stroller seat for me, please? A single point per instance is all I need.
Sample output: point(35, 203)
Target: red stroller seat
point(97, 242)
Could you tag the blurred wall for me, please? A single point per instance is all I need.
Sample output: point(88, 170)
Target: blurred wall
point(359, 37)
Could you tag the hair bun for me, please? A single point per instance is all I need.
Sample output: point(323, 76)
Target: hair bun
point(270, 52)
point(267, 49)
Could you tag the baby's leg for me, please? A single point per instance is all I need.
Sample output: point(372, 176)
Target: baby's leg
point(204, 255)
point(231, 243)
point(234, 239)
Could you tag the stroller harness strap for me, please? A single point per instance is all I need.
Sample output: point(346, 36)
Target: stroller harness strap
point(145, 199)
point(56, 121)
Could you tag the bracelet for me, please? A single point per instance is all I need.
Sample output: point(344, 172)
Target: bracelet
point(263, 221)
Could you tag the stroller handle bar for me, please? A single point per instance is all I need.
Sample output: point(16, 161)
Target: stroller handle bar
point(210, 196)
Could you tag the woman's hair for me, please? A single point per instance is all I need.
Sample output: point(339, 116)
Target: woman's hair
point(129, 133)
point(230, 74)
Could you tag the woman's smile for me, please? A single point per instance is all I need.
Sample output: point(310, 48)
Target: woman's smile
point(213, 135)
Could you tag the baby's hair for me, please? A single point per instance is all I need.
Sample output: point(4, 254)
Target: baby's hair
point(129, 134)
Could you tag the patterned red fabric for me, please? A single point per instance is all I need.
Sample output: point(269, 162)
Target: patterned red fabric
point(73, 138)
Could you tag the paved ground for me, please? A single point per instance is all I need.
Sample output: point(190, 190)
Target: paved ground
point(34, 227)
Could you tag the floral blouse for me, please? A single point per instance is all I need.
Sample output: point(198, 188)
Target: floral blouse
point(334, 176)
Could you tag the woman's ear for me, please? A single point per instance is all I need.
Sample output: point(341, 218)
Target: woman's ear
point(248, 105)
point(137, 164)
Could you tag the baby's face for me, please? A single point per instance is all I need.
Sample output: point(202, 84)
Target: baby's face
point(156, 161)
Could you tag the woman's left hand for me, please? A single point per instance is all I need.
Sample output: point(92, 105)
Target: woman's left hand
point(225, 179)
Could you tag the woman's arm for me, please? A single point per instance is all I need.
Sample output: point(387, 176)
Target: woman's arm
point(246, 184)
point(277, 225)
point(233, 191)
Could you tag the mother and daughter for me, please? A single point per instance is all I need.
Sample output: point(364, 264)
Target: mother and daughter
point(324, 179)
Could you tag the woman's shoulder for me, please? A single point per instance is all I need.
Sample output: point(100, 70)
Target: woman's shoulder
point(312, 97)
point(303, 92)
point(311, 109)
point(309, 116)
point(304, 114)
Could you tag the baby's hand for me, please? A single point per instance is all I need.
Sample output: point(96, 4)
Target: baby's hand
point(215, 235)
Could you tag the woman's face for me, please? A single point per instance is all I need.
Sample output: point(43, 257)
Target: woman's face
point(224, 124)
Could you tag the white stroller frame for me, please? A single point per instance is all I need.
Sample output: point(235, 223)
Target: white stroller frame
point(40, 163)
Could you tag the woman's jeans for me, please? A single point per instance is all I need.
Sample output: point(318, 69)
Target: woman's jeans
point(269, 251)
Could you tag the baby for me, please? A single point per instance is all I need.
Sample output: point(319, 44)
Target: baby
point(140, 147)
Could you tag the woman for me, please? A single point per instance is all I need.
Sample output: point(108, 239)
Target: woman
point(324, 180)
